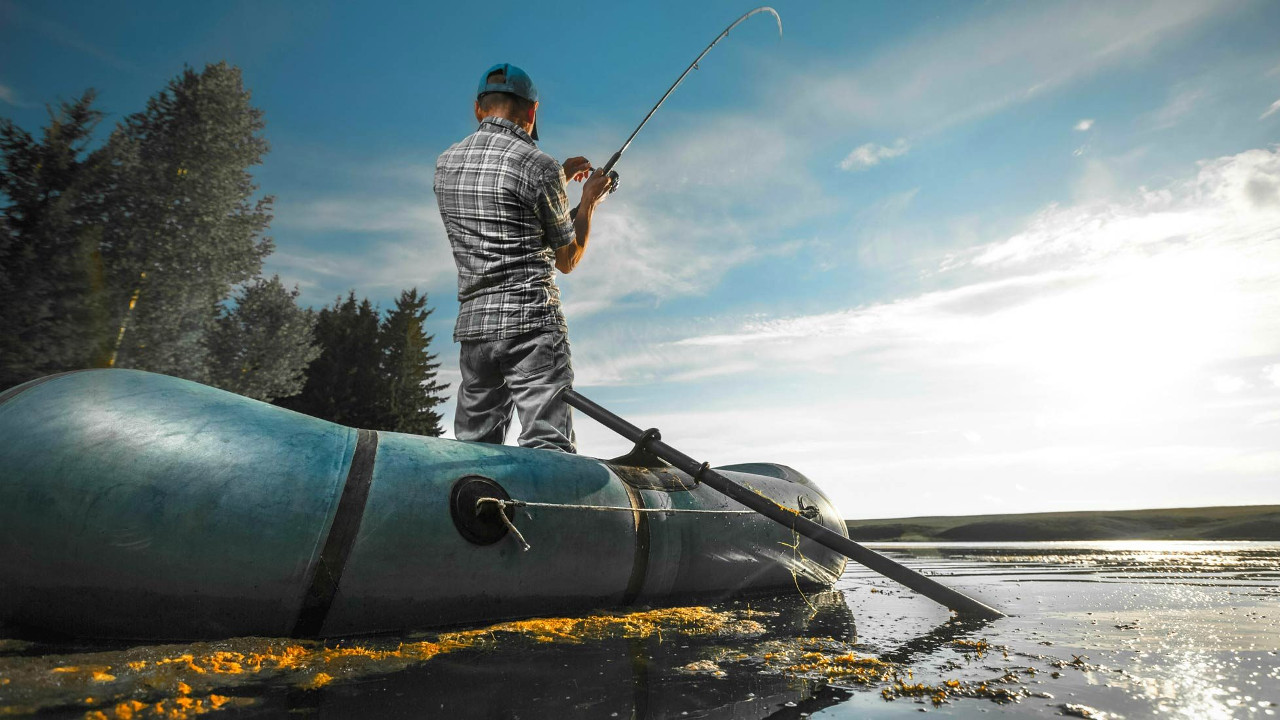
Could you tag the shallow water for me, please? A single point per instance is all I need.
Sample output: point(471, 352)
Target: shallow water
point(1105, 629)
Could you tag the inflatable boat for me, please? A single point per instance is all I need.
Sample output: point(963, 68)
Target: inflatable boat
point(136, 505)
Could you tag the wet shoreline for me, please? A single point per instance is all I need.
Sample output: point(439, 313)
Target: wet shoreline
point(1127, 629)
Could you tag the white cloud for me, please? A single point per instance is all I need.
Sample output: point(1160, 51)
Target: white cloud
point(1275, 107)
point(1271, 373)
point(391, 245)
point(1183, 100)
point(1002, 56)
point(871, 154)
point(1229, 384)
point(711, 195)
point(10, 97)
point(1084, 125)
point(1081, 350)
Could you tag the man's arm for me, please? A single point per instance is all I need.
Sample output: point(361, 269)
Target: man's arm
point(568, 256)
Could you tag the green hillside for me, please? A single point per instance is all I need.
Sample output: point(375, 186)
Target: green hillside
point(1252, 522)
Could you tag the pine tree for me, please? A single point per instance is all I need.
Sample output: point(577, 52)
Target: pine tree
point(344, 384)
point(51, 285)
point(379, 375)
point(261, 347)
point(181, 227)
point(409, 368)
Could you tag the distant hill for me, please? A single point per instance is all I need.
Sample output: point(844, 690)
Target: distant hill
point(1251, 522)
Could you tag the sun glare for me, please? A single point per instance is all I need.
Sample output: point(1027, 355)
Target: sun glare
point(1145, 329)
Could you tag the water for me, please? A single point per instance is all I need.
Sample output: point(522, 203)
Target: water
point(1103, 629)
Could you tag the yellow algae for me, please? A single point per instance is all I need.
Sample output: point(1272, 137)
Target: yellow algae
point(317, 681)
point(690, 621)
point(849, 666)
point(900, 689)
point(174, 680)
point(179, 708)
point(977, 647)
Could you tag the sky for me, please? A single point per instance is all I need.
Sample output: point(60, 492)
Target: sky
point(942, 258)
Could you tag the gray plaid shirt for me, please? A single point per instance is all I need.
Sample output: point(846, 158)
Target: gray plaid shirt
point(504, 207)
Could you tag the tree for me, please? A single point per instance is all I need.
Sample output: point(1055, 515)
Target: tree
point(409, 368)
point(51, 283)
point(371, 373)
point(180, 226)
point(261, 347)
point(344, 384)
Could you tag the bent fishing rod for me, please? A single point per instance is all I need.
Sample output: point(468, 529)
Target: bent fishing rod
point(608, 167)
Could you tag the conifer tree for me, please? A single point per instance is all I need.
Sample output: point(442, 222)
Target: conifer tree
point(262, 346)
point(181, 227)
point(409, 368)
point(344, 383)
point(379, 375)
point(50, 271)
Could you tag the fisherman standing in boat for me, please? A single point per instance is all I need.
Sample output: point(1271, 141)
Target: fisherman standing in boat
point(506, 211)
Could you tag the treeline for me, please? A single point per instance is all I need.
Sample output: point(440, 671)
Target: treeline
point(147, 253)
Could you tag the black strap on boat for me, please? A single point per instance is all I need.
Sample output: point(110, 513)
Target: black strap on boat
point(327, 571)
point(640, 559)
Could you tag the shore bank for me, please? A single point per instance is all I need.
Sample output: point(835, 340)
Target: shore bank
point(1252, 522)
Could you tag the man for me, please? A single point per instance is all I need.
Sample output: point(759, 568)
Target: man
point(506, 212)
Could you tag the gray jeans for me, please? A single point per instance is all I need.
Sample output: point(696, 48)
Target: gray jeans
point(526, 372)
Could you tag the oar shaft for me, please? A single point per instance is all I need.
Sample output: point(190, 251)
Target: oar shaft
point(926, 586)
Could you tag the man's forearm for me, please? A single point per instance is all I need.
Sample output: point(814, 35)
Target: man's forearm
point(568, 256)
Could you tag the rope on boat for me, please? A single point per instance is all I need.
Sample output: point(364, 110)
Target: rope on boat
point(524, 544)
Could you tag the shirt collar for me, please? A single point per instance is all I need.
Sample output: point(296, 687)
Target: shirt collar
point(505, 123)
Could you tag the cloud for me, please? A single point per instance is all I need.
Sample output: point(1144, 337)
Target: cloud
point(1229, 384)
point(1002, 56)
point(1093, 349)
point(1180, 104)
point(1103, 297)
point(378, 246)
point(1275, 107)
point(1271, 373)
point(871, 154)
point(8, 95)
point(1084, 125)
point(714, 193)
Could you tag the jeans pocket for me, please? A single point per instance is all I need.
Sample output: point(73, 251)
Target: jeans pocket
point(538, 354)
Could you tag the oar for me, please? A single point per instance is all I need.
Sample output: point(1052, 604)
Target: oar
point(651, 441)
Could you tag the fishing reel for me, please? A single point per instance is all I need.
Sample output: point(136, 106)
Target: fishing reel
point(613, 181)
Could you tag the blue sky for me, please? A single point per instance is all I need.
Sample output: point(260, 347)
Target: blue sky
point(944, 258)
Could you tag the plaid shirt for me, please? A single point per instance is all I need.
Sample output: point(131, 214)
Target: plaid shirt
point(504, 207)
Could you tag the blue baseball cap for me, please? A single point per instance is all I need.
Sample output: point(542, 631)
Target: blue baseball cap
point(515, 81)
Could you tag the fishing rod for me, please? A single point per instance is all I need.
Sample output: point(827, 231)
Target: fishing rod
point(608, 167)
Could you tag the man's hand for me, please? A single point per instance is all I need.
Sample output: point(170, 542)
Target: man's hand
point(576, 168)
point(596, 188)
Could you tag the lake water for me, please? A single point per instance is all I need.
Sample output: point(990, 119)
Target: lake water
point(1101, 629)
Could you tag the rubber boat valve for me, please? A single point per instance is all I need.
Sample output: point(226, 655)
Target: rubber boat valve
point(479, 522)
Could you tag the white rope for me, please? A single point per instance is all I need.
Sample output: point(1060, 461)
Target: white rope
point(503, 504)
point(524, 544)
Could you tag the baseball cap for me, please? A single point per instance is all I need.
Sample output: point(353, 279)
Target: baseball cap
point(515, 81)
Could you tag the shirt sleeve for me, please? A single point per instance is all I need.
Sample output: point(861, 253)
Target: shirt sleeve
point(553, 205)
